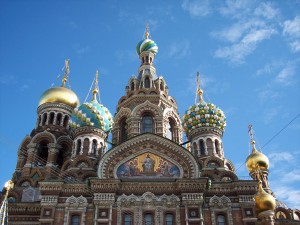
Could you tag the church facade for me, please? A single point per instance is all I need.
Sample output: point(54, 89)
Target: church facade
point(66, 175)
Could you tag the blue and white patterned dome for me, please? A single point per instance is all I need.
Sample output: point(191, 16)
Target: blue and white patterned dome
point(92, 114)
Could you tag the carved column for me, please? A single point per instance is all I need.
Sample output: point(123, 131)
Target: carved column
point(32, 148)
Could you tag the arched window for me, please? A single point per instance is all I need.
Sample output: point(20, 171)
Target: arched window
point(221, 220)
point(148, 218)
point(94, 146)
point(123, 133)
point(161, 86)
point(44, 120)
point(147, 124)
point(66, 121)
point(86, 145)
point(78, 147)
point(147, 82)
point(39, 120)
point(202, 147)
point(170, 129)
point(60, 156)
point(42, 153)
point(58, 119)
point(209, 145)
point(132, 86)
point(217, 147)
point(194, 148)
point(127, 219)
point(51, 118)
point(75, 220)
point(169, 219)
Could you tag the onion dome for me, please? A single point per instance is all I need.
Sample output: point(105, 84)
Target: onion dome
point(60, 94)
point(146, 44)
point(92, 114)
point(256, 159)
point(203, 114)
point(263, 200)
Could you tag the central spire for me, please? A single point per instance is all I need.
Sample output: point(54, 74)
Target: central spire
point(96, 89)
point(66, 75)
point(199, 91)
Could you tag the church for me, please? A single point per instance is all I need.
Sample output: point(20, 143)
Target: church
point(70, 172)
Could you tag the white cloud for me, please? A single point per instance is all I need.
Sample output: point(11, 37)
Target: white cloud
point(266, 10)
point(292, 27)
point(264, 70)
point(267, 94)
point(197, 8)
point(237, 52)
point(276, 157)
point(269, 114)
point(236, 8)
point(295, 46)
point(287, 194)
point(285, 75)
point(179, 49)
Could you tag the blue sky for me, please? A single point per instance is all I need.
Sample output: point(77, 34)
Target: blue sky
point(248, 54)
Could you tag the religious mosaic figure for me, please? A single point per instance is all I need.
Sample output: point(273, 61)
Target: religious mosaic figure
point(148, 165)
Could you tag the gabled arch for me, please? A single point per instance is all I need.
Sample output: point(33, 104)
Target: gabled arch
point(157, 145)
point(147, 106)
point(123, 112)
point(45, 135)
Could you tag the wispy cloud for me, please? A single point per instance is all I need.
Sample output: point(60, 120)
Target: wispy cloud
point(197, 8)
point(285, 76)
point(179, 49)
point(276, 157)
point(267, 10)
point(237, 52)
point(291, 29)
point(287, 194)
point(236, 8)
point(83, 50)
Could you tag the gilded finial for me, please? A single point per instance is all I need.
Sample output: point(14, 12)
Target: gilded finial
point(95, 91)
point(147, 33)
point(199, 91)
point(66, 75)
point(250, 131)
point(8, 185)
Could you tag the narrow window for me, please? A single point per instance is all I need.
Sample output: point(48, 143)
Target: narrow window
point(42, 153)
point(123, 134)
point(66, 121)
point(221, 220)
point(169, 219)
point(75, 220)
point(202, 147)
point(147, 124)
point(170, 129)
point(94, 146)
point(51, 118)
point(127, 219)
point(44, 118)
point(132, 86)
point(161, 86)
point(217, 147)
point(148, 218)
point(147, 82)
point(78, 147)
point(58, 119)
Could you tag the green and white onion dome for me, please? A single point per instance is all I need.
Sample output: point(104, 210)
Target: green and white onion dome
point(203, 115)
point(92, 114)
point(146, 45)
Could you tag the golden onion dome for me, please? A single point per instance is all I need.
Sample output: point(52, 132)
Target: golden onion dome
point(60, 95)
point(256, 159)
point(263, 200)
